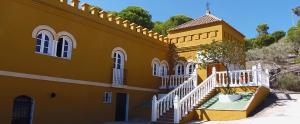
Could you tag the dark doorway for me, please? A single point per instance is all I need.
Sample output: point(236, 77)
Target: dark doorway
point(121, 107)
point(22, 110)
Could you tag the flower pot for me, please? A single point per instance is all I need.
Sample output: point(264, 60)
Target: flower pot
point(229, 97)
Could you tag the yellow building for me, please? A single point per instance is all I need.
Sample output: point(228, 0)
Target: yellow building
point(65, 64)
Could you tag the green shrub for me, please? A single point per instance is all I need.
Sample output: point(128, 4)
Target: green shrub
point(289, 81)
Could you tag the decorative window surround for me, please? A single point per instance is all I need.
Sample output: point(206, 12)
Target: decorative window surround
point(53, 41)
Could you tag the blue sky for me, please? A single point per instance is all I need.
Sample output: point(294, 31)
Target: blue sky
point(244, 15)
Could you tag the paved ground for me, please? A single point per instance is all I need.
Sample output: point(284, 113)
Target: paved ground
point(279, 108)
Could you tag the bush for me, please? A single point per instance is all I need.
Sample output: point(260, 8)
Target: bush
point(289, 81)
point(275, 52)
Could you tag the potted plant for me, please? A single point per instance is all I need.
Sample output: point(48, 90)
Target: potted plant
point(225, 53)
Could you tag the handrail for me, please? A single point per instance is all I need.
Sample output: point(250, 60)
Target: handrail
point(159, 107)
point(184, 105)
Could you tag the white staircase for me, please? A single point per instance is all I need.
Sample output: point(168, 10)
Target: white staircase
point(184, 98)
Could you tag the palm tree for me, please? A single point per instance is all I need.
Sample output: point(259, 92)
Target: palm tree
point(296, 11)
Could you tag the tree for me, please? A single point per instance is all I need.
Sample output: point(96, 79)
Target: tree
point(137, 15)
point(277, 35)
point(264, 40)
point(250, 43)
point(296, 11)
point(170, 23)
point(225, 53)
point(113, 12)
point(262, 29)
point(176, 20)
point(159, 28)
point(294, 38)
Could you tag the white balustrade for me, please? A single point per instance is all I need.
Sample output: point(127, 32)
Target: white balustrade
point(188, 95)
point(186, 104)
point(235, 78)
point(172, 81)
point(165, 103)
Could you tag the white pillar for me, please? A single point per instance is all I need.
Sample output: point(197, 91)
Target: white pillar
point(267, 83)
point(259, 73)
point(154, 109)
point(214, 74)
point(254, 75)
point(176, 110)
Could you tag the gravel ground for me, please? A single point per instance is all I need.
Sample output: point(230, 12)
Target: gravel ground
point(278, 108)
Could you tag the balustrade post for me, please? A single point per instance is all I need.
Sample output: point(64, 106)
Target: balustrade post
point(267, 78)
point(214, 76)
point(254, 75)
point(154, 109)
point(259, 73)
point(176, 110)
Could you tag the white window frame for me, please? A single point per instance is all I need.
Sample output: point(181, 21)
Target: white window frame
point(70, 47)
point(155, 67)
point(164, 67)
point(188, 68)
point(181, 67)
point(42, 47)
point(107, 98)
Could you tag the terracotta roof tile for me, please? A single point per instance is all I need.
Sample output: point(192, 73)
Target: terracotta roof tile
point(206, 19)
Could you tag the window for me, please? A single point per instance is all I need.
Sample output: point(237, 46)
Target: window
point(107, 98)
point(44, 42)
point(179, 70)
point(119, 57)
point(191, 68)
point(64, 47)
point(48, 42)
point(163, 68)
point(155, 67)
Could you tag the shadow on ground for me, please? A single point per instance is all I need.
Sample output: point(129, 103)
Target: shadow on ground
point(273, 99)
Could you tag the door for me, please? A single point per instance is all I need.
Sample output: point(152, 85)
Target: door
point(121, 107)
point(118, 70)
point(22, 110)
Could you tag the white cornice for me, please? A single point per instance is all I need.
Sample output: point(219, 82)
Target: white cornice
point(70, 81)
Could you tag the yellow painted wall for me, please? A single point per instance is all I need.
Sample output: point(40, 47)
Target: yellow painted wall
point(219, 115)
point(187, 40)
point(261, 93)
point(91, 61)
point(76, 104)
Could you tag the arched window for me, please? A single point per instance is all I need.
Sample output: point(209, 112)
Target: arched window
point(22, 110)
point(163, 68)
point(119, 57)
point(118, 60)
point(64, 47)
point(44, 42)
point(155, 67)
point(179, 69)
point(190, 68)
